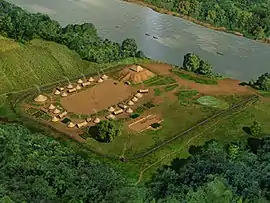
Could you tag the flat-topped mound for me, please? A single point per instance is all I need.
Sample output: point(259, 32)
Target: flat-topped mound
point(135, 74)
point(38, 62)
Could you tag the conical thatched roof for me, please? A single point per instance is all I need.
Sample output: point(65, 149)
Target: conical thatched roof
point(71, 125)
point(57, 92)
point(51, 107)
point(110, 116)
point(111, 109)
point(54, 119)
point(97, 120)
point(41, 98)
point(100, 80)
point(129, 110)
point(134, 99)
point(64, 94)
point(88, 119)
point(78, 87)
point(104, 77)
point(130, 103)
point(138, 95)
point(80, 81)
point(91, 79)
point(70, 86)
point(56, 111)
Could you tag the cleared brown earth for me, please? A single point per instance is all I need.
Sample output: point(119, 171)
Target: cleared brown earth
point(97, 98)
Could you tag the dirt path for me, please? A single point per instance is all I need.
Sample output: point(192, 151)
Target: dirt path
point(224, 87)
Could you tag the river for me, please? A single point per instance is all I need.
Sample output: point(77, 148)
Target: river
point(242, 58)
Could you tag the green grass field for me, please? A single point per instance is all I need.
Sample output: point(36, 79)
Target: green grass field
point(40, 62)
point(195, 78)
point(213, 102)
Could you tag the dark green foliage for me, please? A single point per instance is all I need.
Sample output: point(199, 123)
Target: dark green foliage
point(248, 17)
point(149, 105)
point(216, 173)
point(197, 79)
point(66, 120)
point(155, 125)
point(263, 82)
point(135, 115)
point(255, 128)
point(35, 168)
point(195, 64)
point(107, 130)
point(23, 26)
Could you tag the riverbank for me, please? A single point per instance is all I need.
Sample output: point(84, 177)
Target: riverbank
point(189, 18)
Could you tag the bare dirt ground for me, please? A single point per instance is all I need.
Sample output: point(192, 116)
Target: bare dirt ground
point(97, 98)
point(224, 87)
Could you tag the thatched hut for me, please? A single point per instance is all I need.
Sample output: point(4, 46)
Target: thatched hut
point(71, 125)
point(62, 115)
point(54, 119)
point(100, 80)
point(72, 90)
point(130, 103)
point(139, 95)
point(41, 98)
point(80, 81)
point(60, 88)
point(70, 86)
point(110, 116)
point(119, 111)
point(82, 124)
point(86, 84)
point(104, 77)
point(134, 99)
point(129, 110)
point(143, 91)
point(78, 87)
point(96, 120)
point(57, 92)
point(89, 119)
point(111, 109)
point(56, 111)
point(51, 107)
point(91, 79)
point(64, 94)
point(122, 106)
point(137, 68)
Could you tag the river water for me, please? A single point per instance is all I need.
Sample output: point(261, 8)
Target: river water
point(242, 58)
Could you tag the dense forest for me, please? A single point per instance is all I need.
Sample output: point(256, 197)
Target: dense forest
point(23, 26)
point(252, 18)
point(36, 168)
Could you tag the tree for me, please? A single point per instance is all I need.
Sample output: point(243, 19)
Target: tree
point(191, 62)
point(205, 68)
point(107, 130)
point(255, 128)
point(263, 82)
point(129, 48)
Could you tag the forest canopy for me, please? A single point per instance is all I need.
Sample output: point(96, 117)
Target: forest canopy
point(252, 18)
point(23, 26)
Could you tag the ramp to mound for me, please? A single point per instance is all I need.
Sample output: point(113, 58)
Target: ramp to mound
point(213, 102)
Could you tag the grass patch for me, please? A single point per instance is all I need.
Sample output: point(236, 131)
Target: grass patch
point(159, 80)
point(170, 87)
point(186, 94)
point(157, 92)
point(140, 110)
point(213, 102)
point(264, 93)
point(31, 111)
point(196, 78)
